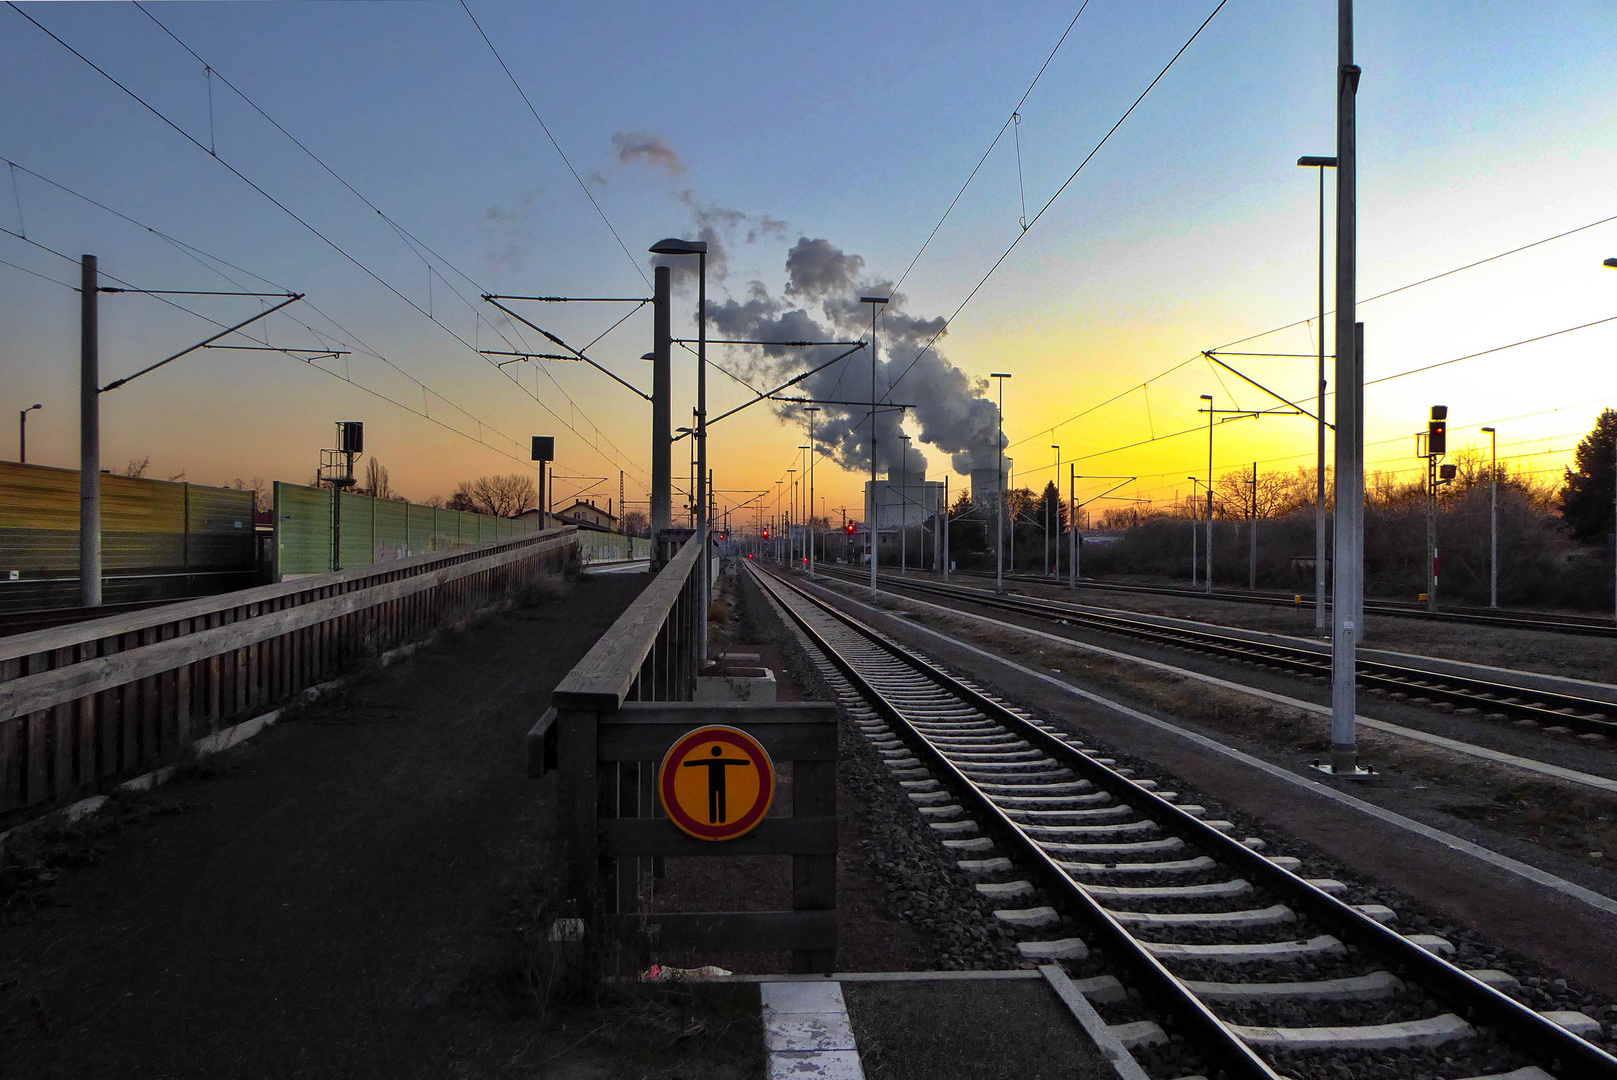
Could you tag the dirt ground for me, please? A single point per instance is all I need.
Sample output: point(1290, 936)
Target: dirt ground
point(348, 895)
point(988, 1031)
point(1527, 650)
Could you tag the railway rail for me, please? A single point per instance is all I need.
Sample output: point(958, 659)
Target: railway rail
point(1491, 699)
point(1586, 625)
point(1227, 943)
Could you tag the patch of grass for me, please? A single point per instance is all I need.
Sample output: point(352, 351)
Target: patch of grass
point(542, 587)
point(34, 860)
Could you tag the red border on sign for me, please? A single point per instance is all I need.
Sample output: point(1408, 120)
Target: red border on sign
point(743, 742)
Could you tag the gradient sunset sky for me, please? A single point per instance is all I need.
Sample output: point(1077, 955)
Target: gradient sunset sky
point(1483, 127)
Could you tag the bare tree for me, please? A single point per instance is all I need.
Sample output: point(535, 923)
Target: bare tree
point(260, 490)
point(137, 469)
point(462, 499)
point(376, 480)
point(501, 496)
point(434, 501)
point(636, 523)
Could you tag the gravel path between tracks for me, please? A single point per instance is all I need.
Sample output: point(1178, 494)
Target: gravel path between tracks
point(348, 895)
point(1551, 953)
point(904, 905)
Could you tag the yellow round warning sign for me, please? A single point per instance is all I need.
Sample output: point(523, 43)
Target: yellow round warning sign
point(716, 783)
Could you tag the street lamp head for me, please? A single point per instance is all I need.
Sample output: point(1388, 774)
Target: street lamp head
point(999, 375)
point(1489, 430)
point(1207, 397)
point(1309, 162)
point(873, 299)
point(31, 408)
point(1610, 262)
point(648, 356)
point(674, 246)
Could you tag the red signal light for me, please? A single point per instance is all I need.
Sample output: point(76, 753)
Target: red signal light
point(851, 528)
point(749, 554)
point(766, 534)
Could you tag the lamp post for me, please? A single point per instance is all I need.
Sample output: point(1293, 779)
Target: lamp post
point(1493, 518)
point(904, 506)
point(999, 472)
point(22, 433)
point(1056, 511)
point(1209, 575)
point(811, 410)
point(791, 514)
point(1194, 484)
point(1321, 163)
point(875, 303)
point(673, 246)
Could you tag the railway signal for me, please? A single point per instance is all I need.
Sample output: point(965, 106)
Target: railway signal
point(1436, 445)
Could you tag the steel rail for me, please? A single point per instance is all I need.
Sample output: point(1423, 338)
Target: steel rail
point(1591, 626)
point(1213, 1036)
point(1550, 707)
point(1556, 1049)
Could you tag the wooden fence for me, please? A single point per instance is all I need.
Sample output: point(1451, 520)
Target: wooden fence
point(615, 716)
point(86, 705)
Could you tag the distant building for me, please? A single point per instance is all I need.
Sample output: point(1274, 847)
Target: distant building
point(902, 500)
point(585, 514)
point(986, 479)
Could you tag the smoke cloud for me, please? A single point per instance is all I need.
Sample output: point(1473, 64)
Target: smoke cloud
point(635, 146)
point(820, 302)
point(717, 225)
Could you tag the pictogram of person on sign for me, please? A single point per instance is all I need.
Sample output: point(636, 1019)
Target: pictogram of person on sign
point(716, 811)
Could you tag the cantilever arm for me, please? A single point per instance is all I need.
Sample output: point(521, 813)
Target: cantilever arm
point(566, 346)
point(1211, 356)
point(790, 382)
point(292, 299)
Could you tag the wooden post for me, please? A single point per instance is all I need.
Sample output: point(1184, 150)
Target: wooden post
point(814, 877)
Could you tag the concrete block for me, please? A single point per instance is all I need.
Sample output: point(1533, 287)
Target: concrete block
point(756, 687)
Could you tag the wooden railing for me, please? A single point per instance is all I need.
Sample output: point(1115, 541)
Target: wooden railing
point(612, 720)
point(85, 705)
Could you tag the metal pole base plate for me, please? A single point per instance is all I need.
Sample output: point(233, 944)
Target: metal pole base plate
point(1353, 772)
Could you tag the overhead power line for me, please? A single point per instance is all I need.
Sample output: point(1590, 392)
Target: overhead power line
point(546, 129)
point(617, 461)
point(1000, 134)
point(352, 339)
point(893, 384)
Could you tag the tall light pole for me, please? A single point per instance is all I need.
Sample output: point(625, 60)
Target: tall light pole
point(811, 410)
point(791, 514)
point(1321, 163)
point(673, 246)
point(999, 465)
point(904, 506)
point(22, 433)
point(1612, 263)
point(1209, 545)
point(1056, 512)
point(1347, 569)
point(1194, 515)
point(1493, 518)
point(875, 303)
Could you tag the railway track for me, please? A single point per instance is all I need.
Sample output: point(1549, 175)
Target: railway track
point(1494, 700)
point(1586, 625)
point(1265, 973)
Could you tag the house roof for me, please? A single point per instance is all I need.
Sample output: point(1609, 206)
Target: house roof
point(582, 505)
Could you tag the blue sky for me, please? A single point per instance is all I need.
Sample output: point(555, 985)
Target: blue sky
point(1483, 126)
